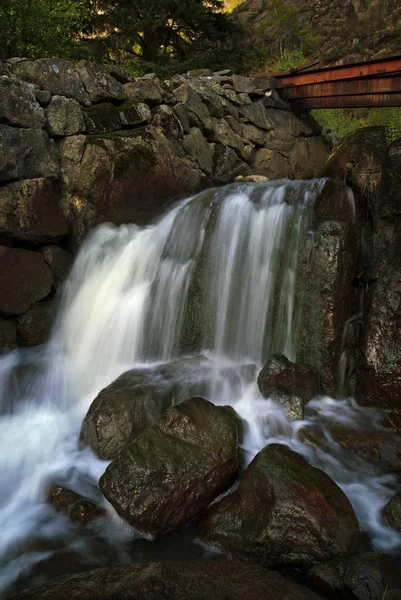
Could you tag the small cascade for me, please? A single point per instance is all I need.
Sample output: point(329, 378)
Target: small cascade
point(216, 275)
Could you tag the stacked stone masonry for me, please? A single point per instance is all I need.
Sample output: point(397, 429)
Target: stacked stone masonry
point(82, 144)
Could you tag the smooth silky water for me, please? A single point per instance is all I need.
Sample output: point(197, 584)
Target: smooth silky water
point(216, 275)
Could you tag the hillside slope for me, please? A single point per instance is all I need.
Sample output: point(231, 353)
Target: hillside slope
point(334, 31)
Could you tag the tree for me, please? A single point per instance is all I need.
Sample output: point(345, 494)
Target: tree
point(37, 28)
point(158, 30)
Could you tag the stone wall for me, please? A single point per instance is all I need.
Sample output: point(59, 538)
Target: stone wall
point(82, 144)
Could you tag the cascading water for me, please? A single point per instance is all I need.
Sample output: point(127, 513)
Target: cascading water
point(216, 275)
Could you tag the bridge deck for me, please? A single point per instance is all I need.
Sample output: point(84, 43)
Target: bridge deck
point(366, 84)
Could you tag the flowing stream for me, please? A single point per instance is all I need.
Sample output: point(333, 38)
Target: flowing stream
point(216, 275)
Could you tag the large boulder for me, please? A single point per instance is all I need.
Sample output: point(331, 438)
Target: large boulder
point(25, 279)
point(56, 76)
point(26, 153)
point(285, 513)
point(192, 580)
point(18, 105)
point(29, 213)
point(143, 90)
point(137, 399)
point(357, 577)
point(174, 469)
point(281, 374)
point(196, 146)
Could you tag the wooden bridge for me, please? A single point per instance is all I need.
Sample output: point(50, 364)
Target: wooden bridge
point(375, 83)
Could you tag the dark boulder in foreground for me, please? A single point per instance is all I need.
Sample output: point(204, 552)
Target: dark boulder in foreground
point(361, 577)
point(189, 580)
point(284, 513)
point(281, 374)
point(173, 470)
point(138, 398)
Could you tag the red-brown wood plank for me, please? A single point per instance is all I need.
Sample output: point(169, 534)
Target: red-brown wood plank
point(327, 74)
point(359, 101)
point(351, 87)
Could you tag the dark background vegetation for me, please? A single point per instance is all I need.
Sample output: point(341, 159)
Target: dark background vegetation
point(174, 36)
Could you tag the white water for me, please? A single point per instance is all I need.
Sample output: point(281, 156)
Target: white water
point(217, 275)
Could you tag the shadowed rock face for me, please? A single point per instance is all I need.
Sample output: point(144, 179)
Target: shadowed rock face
point(25, 278)
point(379, 376)
point(173, 470)
point(192, 580)
point(285, 512)
point(392, 512)
point(362, 577)
point(279, 373)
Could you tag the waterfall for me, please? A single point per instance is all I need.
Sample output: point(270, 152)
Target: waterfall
point(216, 275)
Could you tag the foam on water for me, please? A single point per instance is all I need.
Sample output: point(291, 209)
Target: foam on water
point(223, 262)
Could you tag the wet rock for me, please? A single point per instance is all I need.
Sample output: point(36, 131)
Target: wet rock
point(327, 268)
point(393, 420)
point(34, 326)
point(357, 577)
point(287, 122)
point(196, 146)
point(29, 213)
point(392, 512)
point(18, 105)
point(56, 76)
point(143, 90)
point(80, 510)
point(281, 374)
point(175, 468)
point(192, 580)
point(99, 84)
point(59, 261)
point(64, 117)
point(284, 513)
point(378, 447)
point(25, 279)
point(138, 398)
point(26, 153)
point(292, 406)
point(280, 142)
point(8, 336)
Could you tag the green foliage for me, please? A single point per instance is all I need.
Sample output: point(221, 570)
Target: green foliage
point(289, 59)
point(342, 121)
point(161, 31)
point(38, 28)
